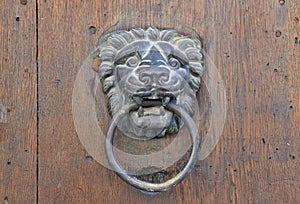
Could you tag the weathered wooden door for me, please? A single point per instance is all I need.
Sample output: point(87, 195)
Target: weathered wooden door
point(255, 46)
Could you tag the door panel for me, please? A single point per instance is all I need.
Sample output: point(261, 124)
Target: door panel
point(255, 48)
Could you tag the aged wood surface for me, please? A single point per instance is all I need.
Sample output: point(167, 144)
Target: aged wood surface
point(18, 98)
point(255, 47)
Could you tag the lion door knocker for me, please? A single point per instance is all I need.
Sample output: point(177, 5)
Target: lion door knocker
point(151, 78)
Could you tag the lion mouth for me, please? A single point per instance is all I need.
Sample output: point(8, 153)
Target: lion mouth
point(151, 116)
point(151, 106)
point(153, 96)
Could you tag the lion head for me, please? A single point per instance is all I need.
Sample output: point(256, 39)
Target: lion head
point(140, 66)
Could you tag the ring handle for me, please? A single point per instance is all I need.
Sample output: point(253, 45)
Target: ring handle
point(143, 185)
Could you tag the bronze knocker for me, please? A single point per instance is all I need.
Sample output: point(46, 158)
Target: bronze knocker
point(151, 78)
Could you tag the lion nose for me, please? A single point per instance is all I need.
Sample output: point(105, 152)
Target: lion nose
point(151, 75)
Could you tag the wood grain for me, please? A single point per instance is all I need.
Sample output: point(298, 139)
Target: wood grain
point(18, 98)
point(255, 48)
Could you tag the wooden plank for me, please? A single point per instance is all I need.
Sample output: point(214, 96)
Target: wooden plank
point(253, 162)
point(18, 98)
point(257, 156)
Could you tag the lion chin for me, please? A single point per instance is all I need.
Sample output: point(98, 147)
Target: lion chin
point(150, 67)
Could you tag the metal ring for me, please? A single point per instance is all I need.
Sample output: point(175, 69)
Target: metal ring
point(143, 185)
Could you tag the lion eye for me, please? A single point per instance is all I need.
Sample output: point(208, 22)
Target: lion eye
point(132, 61)
point(174, 63)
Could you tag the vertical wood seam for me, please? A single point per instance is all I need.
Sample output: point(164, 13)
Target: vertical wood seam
point(37, 98)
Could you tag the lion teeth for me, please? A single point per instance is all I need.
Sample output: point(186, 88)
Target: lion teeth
point(162, 111)
point(138, 100)
point(166, 100)
point(140, 112)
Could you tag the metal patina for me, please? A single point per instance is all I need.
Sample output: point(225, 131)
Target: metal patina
point(151, 78)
